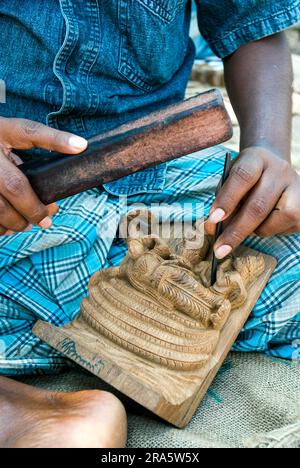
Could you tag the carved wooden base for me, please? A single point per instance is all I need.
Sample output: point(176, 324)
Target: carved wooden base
point(172, 391)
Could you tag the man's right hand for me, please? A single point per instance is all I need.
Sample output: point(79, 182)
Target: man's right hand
point(19, 205)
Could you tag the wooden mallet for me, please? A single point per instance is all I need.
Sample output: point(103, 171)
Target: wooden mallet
point(173, 132)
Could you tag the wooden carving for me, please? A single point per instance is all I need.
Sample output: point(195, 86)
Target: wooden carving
point(155, 328)
point(159, 306)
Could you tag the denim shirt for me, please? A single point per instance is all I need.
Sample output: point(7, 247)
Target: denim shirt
point(87, 66)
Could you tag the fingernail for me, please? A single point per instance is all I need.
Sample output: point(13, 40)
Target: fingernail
point(28, 228)
point(77, 142)
point(217, 216)
point(9, 233)
point(46, 223)
point(223, 251)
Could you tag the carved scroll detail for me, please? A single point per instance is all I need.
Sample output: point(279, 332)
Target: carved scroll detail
point(159, 305)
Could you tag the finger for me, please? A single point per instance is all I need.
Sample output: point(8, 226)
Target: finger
point(15, 159)
point(52, 209)
point(277, 223)
point(244, 175)
point(9, 232)
point(16, 190)
point(250, 216)
point(293, 229)
point(10, 218)
point(210, 228)
point(290, 232)
point(26, 134)
point(285, 219)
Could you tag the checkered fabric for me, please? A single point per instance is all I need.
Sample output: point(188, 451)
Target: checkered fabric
point(44, 274)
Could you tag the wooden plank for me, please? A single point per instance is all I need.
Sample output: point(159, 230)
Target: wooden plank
point(149, 385)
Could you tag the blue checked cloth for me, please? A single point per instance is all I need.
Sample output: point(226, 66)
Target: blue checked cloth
point(44, 274)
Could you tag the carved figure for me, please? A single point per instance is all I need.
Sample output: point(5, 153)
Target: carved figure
point(159, 305)
point(154, 328)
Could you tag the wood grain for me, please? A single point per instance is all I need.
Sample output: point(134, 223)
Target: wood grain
point(169, 392)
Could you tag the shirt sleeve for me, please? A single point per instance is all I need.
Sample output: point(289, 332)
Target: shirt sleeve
point(229, 24)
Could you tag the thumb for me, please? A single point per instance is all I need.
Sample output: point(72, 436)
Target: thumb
point(26, 134)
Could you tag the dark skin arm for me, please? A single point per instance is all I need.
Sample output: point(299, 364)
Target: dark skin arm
point(262, 194)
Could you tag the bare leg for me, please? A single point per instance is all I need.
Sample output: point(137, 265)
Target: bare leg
point(32, 418)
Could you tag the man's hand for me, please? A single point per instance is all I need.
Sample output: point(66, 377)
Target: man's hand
point(261, 195)
point(19, 206)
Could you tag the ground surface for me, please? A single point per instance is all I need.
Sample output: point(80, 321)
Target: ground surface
point(196, 87)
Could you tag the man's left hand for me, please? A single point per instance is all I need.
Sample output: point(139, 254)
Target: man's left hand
point(261, 196)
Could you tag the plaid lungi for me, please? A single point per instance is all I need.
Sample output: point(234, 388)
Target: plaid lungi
point(44, 274)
